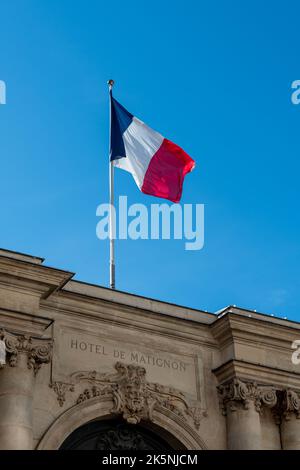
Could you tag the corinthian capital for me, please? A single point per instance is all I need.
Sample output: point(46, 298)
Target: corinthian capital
point(290, 404)
point(236, 393)
point(266, 396)
point(37, 350)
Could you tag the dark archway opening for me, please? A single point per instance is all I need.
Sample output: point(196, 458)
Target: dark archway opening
point(118, 435)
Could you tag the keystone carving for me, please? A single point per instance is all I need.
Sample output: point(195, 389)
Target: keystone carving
point(237, 393)
point(38, 350)
point(134, 397)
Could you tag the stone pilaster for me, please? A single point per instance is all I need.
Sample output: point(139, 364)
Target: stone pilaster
point(24, 357)
point(242, 402)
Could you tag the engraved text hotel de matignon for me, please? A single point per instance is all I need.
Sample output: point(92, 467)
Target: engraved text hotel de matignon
point(133, 356)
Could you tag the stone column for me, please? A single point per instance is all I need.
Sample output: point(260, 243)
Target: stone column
point(24, 357)
point(290, 420)
point(241, 403)
point(243, 428)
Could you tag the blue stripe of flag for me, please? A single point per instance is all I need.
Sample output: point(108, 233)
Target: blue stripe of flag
point(120, 121)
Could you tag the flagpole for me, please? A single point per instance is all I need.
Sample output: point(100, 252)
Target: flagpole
point(112, 278)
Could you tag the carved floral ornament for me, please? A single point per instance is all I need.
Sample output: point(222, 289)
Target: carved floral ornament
point(290, 404)
point(133, 396)
point(238, 394)
point(37, 350)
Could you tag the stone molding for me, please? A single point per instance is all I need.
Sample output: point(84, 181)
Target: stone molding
point(38, 350)
point(133, 396)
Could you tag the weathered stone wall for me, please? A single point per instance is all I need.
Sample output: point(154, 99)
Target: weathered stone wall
point(76, 353)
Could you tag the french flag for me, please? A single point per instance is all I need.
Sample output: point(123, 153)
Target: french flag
point(157, 165)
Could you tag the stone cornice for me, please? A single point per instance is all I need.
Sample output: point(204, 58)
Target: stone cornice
point(23, 274)
point(250, 371)
point(37, 350)
point(90, 309)
point(31, 324)
point(253, 330)
point(133, 301)
point(262, 317)
point(21, 256)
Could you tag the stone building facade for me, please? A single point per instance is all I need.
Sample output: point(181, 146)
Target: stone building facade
point(88, 367)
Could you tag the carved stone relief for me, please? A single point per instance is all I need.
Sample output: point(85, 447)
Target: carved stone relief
point(134, 397)
point(290, 404)
point(236, 393)
point(38, 350)
point(60, 388)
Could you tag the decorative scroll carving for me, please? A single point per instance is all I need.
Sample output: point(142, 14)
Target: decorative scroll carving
point(290, 404)
point(237, 393)
point(60, 388)
point(38, 350)
point(283, 403)
point(265, 396)
point(233, 393)
point(133, 396)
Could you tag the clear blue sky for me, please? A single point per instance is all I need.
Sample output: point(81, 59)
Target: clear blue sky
point(215, 78)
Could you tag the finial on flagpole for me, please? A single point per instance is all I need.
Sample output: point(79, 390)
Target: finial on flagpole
point(110, 83)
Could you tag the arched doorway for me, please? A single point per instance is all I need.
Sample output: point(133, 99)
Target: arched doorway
point(115, 435)
point(168, 426)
